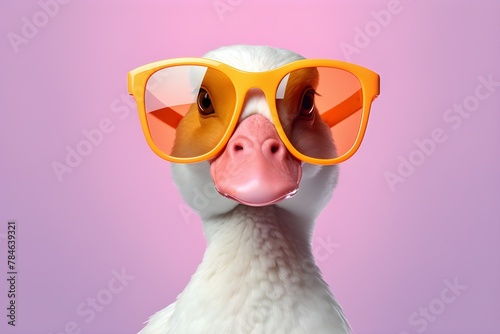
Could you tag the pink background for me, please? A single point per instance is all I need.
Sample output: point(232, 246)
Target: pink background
point(392, 248)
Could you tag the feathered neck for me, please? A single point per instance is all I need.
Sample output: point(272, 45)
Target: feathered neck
point(258, 273)
point(257, 226)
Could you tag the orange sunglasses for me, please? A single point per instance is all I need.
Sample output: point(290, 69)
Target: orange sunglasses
point(189, 107)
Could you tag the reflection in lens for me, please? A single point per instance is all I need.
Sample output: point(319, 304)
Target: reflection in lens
point(179, 125)
point(334, 127)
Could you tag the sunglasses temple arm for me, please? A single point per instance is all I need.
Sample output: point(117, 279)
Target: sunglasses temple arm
point(344, 109)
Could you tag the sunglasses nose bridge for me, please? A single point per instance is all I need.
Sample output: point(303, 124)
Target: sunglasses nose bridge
point(257, 95)
point(254, 102)
point(265, 81)
point(256, 84)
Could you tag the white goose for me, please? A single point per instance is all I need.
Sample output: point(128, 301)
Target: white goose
point(258, 274)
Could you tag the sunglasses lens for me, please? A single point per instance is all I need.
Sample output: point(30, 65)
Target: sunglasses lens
point(320, 110)
point(188, 109)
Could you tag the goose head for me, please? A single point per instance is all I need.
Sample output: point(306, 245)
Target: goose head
point(255, 168)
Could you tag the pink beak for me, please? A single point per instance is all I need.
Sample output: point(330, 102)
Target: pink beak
point(255, 167)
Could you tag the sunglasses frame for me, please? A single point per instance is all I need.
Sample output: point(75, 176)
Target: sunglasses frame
point(268, 83)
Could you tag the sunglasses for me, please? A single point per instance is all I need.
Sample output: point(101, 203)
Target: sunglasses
point(190, 107)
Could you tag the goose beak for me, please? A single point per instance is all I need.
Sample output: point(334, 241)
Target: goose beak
point(255, 168)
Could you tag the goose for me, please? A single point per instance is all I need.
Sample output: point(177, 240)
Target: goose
point(258, 273)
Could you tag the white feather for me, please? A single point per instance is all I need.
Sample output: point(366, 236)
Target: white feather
point(258, 274)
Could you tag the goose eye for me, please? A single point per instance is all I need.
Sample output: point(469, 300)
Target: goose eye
point(205, 106)
point(307, 104)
